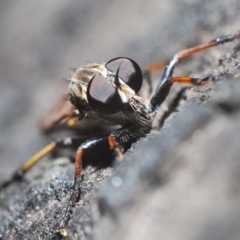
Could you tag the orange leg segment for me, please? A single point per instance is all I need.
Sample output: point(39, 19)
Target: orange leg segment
point(190, 80)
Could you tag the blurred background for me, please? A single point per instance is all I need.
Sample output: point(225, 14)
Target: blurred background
point(41, 40)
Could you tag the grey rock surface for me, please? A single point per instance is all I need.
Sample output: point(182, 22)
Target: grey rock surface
point(180, 182)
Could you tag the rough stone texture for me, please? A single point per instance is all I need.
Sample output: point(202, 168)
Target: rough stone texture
point(180, 182)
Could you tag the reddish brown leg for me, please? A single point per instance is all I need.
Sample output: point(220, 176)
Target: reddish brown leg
point(205, 46)
point(166, 83)
point(114, 145)
point(190, 80)
point(156, 66)
point(75, 196)
point(151, 68)
point(190, 51)
point(19, 173)
point(98, 146)
point(91, 145)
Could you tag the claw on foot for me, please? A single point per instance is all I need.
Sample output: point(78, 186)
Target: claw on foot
point(62, 231)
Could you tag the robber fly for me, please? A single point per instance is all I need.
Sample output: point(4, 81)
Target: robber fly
point(108, 93)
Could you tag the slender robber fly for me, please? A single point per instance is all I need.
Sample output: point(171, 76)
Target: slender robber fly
point(108, 93)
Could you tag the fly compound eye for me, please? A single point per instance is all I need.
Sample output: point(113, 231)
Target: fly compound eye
point(102, 96)
point(128, 71)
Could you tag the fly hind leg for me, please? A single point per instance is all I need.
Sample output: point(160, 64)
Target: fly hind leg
point(20, 172)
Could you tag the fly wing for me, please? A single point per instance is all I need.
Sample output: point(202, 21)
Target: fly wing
point(59, 114)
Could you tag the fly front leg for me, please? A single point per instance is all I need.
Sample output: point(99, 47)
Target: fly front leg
point(116, 143)
point(167, 81)
point(99, 146)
